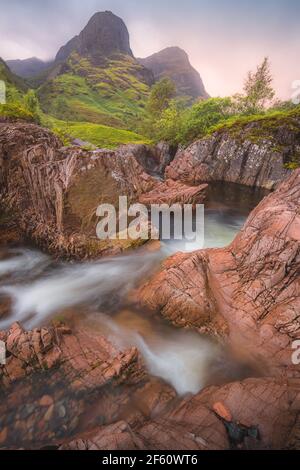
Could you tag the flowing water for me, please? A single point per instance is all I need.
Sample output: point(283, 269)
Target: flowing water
point(40, 289)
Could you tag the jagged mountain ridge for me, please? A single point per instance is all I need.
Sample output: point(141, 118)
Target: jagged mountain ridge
point(95, 77)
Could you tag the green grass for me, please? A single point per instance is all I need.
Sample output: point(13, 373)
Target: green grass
point(95, 134)
point(16, 111)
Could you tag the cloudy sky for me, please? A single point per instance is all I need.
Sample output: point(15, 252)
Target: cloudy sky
point(224, 38)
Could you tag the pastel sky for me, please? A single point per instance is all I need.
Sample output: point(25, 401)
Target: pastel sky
point(224, 38)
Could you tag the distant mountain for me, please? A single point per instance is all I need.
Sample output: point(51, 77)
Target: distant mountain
point(174, 63)
point(95, 77)
point(28, 68)
point(10, 78)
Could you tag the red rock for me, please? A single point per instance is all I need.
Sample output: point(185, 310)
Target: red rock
point(46, 400)
point(3, 435)
point(90, 381)
point(51, 189)
point(49, 413)
point(222, 411)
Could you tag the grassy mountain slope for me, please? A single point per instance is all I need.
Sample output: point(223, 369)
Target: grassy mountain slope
point(113, 93)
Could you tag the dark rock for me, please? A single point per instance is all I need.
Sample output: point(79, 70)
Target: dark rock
point(105, 34)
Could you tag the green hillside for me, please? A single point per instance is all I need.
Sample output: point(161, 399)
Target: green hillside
point(113, 93)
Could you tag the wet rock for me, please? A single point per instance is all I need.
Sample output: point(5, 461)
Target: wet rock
point(90, 384)
point(118, 436)
point(220, 409)
point(192, 424)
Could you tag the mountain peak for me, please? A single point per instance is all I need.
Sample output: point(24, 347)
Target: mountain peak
point(173, 62)
point(104, 34)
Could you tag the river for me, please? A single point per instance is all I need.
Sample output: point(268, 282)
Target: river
point(95, 294)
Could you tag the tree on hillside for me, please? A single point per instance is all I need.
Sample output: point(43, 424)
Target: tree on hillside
point(161, 95)
point(258, 89)
point(202, 116)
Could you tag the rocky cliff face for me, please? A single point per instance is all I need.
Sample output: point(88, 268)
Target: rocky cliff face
point(105, 34)
point(254, 154)
point(174, 63)
point(248, 291)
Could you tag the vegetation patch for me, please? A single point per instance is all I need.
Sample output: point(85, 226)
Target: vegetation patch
point(95, 134)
